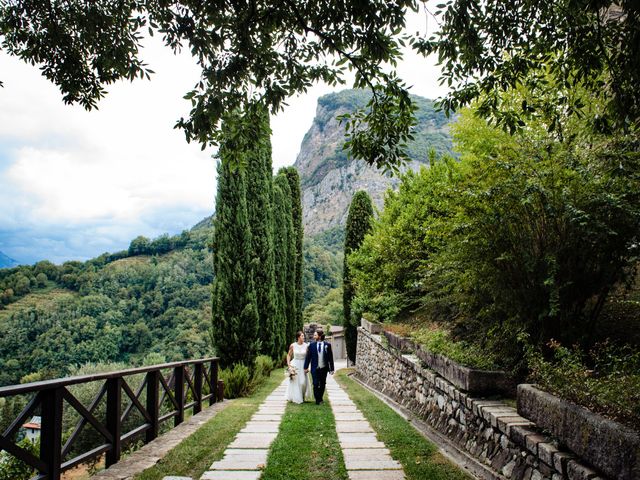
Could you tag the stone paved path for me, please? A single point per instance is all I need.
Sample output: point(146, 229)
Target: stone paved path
point(246, 456)
point(365, 457)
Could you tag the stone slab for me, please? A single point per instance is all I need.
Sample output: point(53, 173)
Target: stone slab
point(372, 465)
point(253, 440)
point(353, 427)
point(349, 417)
point(376, 475)
point(243, 463)
point(176, 478)
point(231, 475)
point(237, 452)
point(261, 427)
point(360, 443)
point(267, 417)
point(270, 411)
point(345, 409)
point(369, 453)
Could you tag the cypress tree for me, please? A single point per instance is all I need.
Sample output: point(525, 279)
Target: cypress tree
point(296, 207)
point(260, 212)
point(359, 221)
point(234, 310)
point(285, 250)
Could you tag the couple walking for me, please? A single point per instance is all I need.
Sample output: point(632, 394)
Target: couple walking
point(316, 357)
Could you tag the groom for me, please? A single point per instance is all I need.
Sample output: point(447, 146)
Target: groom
point(320, 356)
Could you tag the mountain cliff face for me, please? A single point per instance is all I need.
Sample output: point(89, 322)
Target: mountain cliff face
point(329, 179)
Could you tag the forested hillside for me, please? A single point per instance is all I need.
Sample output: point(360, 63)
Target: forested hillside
point(152, 299)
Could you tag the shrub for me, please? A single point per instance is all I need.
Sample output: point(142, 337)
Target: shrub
point(236, 381)
point(263, 366)
point(13, 469)
point(438, 340)
point(606, 379)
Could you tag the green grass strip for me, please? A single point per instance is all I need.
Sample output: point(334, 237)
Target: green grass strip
point(307, 446)
point(419, 457)
point(193, 456)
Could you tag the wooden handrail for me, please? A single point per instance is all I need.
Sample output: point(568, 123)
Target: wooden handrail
point(63, 382)
point(51, 395)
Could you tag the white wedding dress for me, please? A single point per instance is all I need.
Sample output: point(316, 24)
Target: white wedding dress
point(299, 387)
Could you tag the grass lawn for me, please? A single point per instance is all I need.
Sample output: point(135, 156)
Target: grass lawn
point(419, 457)
point(196, 453)
point(307, 447)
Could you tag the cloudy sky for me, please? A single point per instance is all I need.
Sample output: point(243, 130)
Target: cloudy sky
point(74, 184)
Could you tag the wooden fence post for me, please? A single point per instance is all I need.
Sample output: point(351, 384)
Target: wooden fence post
point(51, 439)
point(179, 393)
point(114, 423)
point(153, 397)
point(214, 382)
point(197, 385)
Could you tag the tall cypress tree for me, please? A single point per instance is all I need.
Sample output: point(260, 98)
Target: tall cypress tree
point(296, 207)
point(359, 221)
point(285, 256)
point(234, 310)
point(260, 212)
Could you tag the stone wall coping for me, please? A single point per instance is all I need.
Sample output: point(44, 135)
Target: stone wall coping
point(472, 380)
point(617, 449)
point(371, 327)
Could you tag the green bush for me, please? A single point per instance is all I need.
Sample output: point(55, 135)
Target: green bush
point(606, 379)
point(236, 381)
point(263, 366)
point(13, 469)
point(438, 340)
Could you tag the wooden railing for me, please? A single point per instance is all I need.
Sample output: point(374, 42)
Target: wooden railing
point(166, 390)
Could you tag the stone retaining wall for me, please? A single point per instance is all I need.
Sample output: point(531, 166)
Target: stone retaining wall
point(489, 430)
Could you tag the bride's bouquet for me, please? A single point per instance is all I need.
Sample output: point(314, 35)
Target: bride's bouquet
point(291, 372)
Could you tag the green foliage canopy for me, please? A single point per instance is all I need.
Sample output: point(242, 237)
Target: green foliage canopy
point(389, 267)
point(263, 53)
point(526, 233)
point(488, 49)
point(249, 53)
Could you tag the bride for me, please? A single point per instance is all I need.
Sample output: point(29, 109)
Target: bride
point(299, 386)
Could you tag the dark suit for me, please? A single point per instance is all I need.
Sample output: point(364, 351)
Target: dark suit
point(318, 374)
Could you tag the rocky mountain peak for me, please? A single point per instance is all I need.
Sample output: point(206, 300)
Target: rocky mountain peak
point(329, 179)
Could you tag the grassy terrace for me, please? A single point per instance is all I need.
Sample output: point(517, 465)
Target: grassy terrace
point(419, 457)
point(307, 447)
point(195, 454)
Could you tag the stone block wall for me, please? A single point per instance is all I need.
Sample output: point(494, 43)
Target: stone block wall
point(489, 430)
